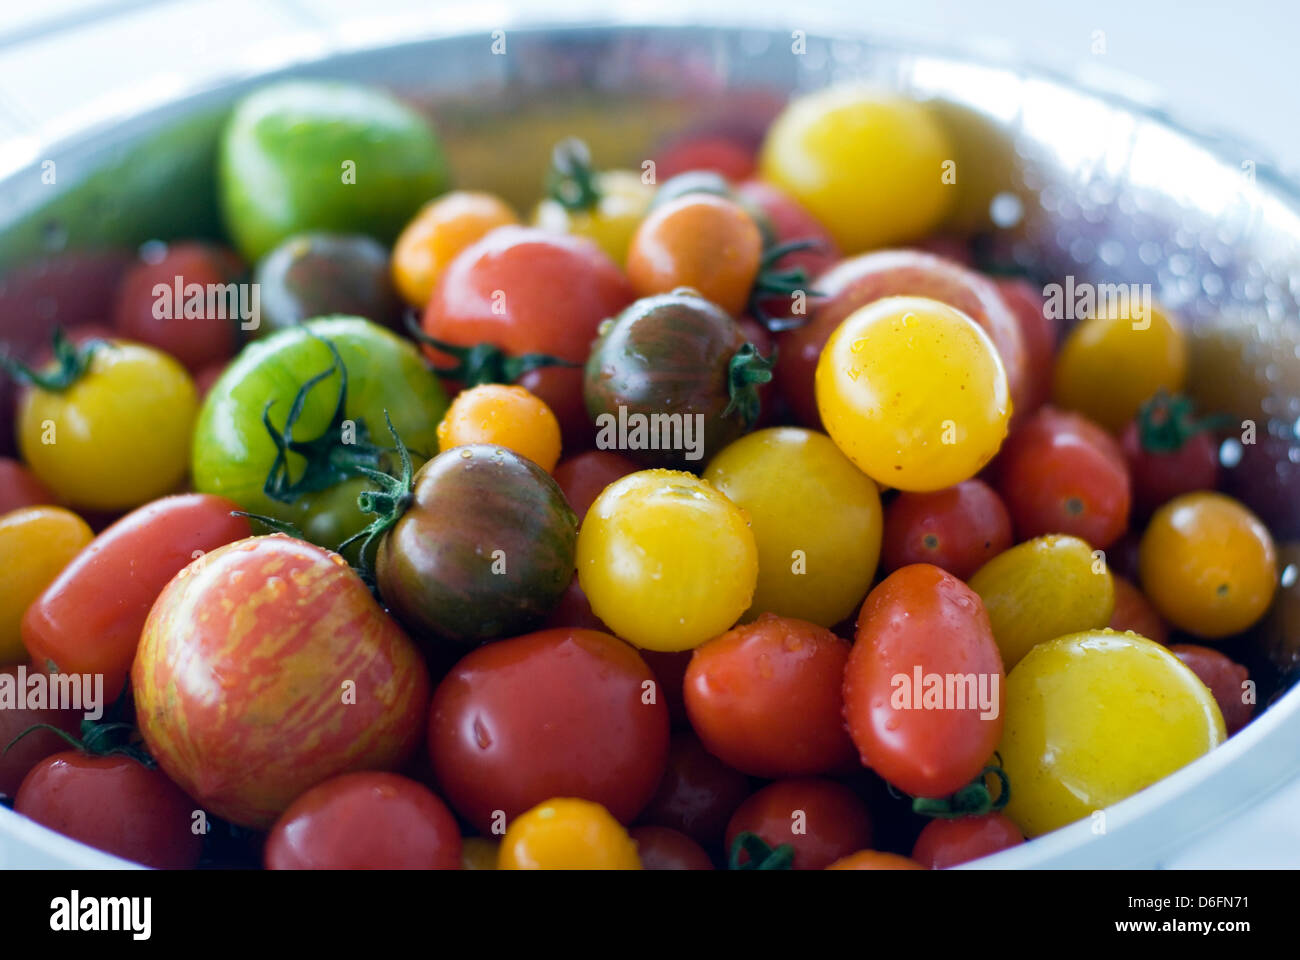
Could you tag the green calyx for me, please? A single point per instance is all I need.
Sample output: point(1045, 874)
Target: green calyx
point(73, 363)
point(1166, 423)
point(483, 362)
point(747, 369)
point(389, 502)
point(107, 736)
point(571, 181)
point(782, 283)
point(761, 855)
point(972, 800)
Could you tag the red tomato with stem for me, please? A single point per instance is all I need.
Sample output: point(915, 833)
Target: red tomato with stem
point(959, 528)
point(1168, 453)
point(35, 746)
point(790, 221)
point(662, 848)
point(821, 819)
point(20, 488)
point(698, 793)
point(1226, 679)
point(583, 476)
point(947, 842)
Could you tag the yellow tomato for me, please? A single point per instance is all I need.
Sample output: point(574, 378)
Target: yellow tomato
point(1094, 717)
point(442, 229)
point(36, 543)
point(816, 521)
point(1042, 589)
point(622, 203)
point(914, 393)
point(479, 853)
point(505, 416)
point(666, 561)
point(567, 835)
point(868, 165)
point(1208, 564)
point(1114, 362)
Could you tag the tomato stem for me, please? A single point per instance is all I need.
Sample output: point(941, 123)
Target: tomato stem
point(761, 855)
point(972, 800)
point(1166, 423)
point(483, 362)
point(73, 364)
point(389, 502)
point(748, 368)
point(571, 181)
point(773, 282)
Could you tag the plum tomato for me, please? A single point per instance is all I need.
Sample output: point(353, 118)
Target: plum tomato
point(959, 528)
point(584, 476)
point(1208, 565)
point(1042, 589)
point(604, 206)
point(662, 848)
point(923, 688)
point(1038, 333)
point(1073, 705)
point(821, 819)
point(365, 821)
point(815, 518)
point(23, 754)
point(914, 393)
point(1227, 680)
point(318, 274)
point(666, 560)
point(113, 803)
point(1133, 611)
point(1061, 473)
point(497, 413)
point(265, 668)
point(438, 233)
point(946, 843)
point(567, 834)
point(1113, 362)
point(698, 793)
point(36, 543)
point(875, 860)
point(20, 488)
point(831, 150)
point(558, 713)
point(1168, 453)
point(765, 698)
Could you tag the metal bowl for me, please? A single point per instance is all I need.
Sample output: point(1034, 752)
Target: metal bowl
point(1054, 180)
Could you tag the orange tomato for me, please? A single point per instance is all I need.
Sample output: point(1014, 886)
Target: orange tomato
point(441, 230)
point(504, 415)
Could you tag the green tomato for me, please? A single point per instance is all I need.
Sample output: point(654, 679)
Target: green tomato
point(315, 155)
point(1094, 717)
point(234, 453)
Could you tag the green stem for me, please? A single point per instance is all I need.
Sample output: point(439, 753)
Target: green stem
point(389, 502)
point(972, 800)
point(1166, 423)
point(571, 181)
point(761, 855)
point(783, 283)
point(748, 368)
point(483, 362)
point(73, 363)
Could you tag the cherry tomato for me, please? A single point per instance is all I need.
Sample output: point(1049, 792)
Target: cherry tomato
point(1133, 611)
point(1168, 454)
point(567, 834)
point(1038, 333)
point(437, 234)
point(365, 821)
point(554, 713)
point(823, 820)
point(958, 528)
point(89, 618)
point(1073, 707)
point(507, 416)
point(666, 560)
point(35, 544)
point(573, 610)
point(25, 753)
point(698, 793)
point(661, 848)
point(318, 273)
point(725, 155)
point(114, 803)
point(19, 488)
point(923, 688)
point(607, 209)
point(1061, 473)
point(946, 843)
point(1228, 681)
point(584, 477)
point(790, 223)
point(914, 393)
point(875, 860)
point(707, 243)
point(669, 668)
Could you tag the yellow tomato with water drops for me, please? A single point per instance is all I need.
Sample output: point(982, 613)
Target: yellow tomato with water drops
point(913, 392)
point(506, 416)
point(36, 543)
point(620, 203)
point(567, 834)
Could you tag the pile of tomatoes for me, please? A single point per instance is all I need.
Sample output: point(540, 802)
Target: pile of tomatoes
point(722, 519)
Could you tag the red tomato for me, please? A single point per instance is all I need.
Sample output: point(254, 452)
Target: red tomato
point(265, 668)
point(1225, 679)
point(196, 342)
point(725, 155)
point(528, 291)
point(1133, 611)
point(116, 804)
point(20, 488)
point(661, 848)
point(1167, 454)
point(875, 860)
point(765, 698)
point(35, 746)
point(790, 222)
point(823, 820)
point(89, 619)
point(946, 843)
point(557, 713)
point(956, 249)
point(959, 529)
point(1039, 333)
point(921, 623)
point(365, 821)
point(584, 476)
point(698, 793)
point(669, 667)
point(574, 610)
point(1061, 473)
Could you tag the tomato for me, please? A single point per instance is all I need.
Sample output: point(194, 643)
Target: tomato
point(666, 560)
point(874, 860)
point(698, 793)
point(525, 291)
point(365, 821)
point(946, 843)
point(1228, 681)
point(1208, 565)
point(1133, 611)
point(316, 274)
point(89, 618)
point(605, 207)
point(1266, 479)
point(438, 233)
point(1042, 589)
point(234, 454)
point(1061, 473)
point(765, 698)
point(555, 713)
point(314, 679)
point(1114, 361)
point(723, 154)
point(858, 281)
point(708, 243)
point(573, 610)
point(833, 149)
point(113, 803)
point(484, 549)
point(821, 819)
point(118, 435)
point(923, 688)
point(1168, 453)
point(1038, 333)
point(25, 753)
point(660, 848)
point(479, 853)
point(669, 668)
point(493, 413)
point(35, 544)
point(958, 528)
point(1073, 706)
point(567, 834)
point(19, 488)
point(914, 393)
point(815, 517)
point(584, 476)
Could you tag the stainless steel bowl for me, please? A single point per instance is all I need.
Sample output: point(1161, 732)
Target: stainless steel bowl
point(1055, 180)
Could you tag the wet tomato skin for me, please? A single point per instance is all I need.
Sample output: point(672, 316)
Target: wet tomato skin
point(835, 822)
point(1133, 611)
point(958, 528)
point(1225, 679)
point(946, 843)
point(662, 848)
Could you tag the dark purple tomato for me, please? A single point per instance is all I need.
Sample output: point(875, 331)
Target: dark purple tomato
point(317, 274)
